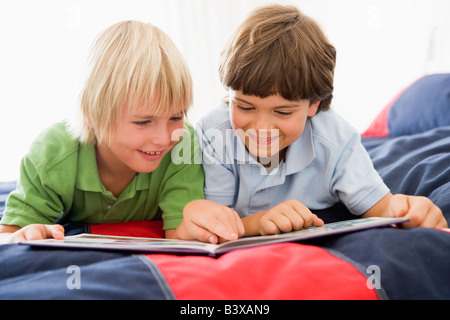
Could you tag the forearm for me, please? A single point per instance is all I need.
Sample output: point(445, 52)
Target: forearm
point(380, 209)
point(6, 233)
point(251, 223)
point(8, 229)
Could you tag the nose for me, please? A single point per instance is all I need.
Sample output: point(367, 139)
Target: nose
point(161, 135)
point(262, 123)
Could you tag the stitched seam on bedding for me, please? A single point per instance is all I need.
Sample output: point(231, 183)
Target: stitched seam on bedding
point(165, 288)
point(380, 292)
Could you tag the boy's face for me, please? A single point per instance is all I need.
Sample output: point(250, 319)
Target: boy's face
point(268, 125)
point(140, 141)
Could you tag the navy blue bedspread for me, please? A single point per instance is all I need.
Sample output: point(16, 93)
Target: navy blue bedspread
point(414, 263)
point(416, 164)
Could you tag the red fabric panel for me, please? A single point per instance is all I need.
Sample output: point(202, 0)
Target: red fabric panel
point(379, 126)
point(146, 229)
point(278, 271)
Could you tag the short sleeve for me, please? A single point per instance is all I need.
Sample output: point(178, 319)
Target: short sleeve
point(34, 200)
point(355, 181)
point(221, 176)
point(182, 181)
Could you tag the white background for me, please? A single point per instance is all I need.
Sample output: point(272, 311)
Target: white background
point(383, 45)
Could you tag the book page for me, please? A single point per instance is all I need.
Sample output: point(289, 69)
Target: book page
point(92, 241)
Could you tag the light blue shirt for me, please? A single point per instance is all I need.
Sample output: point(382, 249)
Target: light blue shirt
point(326, 165)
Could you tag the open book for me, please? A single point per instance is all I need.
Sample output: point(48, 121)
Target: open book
point(92, 241)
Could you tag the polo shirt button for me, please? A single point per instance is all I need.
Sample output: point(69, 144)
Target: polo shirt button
point(108, 207)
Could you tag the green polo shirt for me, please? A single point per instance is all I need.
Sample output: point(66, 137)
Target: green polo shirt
point(59, 181)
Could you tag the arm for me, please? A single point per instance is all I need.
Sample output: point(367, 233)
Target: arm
point(419, 210)
point(21, 208)
point(207, 221)
point(6, 232)
point(13, 234)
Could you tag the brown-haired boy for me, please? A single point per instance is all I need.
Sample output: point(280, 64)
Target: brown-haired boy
point(275, 151)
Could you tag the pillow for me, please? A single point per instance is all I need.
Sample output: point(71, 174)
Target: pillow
point(422, 106)
point(379, 126)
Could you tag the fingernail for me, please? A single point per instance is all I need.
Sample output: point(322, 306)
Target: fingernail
point(211, 239)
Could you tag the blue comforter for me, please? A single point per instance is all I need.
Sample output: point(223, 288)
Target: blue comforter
point(413, 263)
point(417, 164)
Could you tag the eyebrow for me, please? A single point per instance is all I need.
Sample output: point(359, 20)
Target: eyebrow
point(144, 116)
point(150, 117)
point(276, 107)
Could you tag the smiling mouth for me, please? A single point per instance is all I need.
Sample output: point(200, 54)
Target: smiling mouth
point(152, 153)
point(263, 141)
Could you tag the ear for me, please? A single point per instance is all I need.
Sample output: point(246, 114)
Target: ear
point(313, 108)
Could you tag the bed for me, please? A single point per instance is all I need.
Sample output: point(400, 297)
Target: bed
point(409, 143)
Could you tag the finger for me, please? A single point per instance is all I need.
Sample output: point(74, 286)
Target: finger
point(434, 221)
point(309, 218)
point(223, 231)
point(398, 205)
point(267, 227)
point(217, 229)
point(239, 225)
point(304, 219)
point(432, 215)
point(286, 220)
point(317, 222)
point(284, 217)
point(202, 234)
point(17, 237)
point(55, 231)
point(30, 232)
point(233, 222)
point(234, 225)
point(442, 223)
point(420, 212)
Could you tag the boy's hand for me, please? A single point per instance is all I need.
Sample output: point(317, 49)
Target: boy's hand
point(290, 215)
point(208, 221)
point(420, 211)
point(37, 232)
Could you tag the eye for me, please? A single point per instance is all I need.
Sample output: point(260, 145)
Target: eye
point(284, 113)
point(242, 107)
point(178, 117)
point(143, 123)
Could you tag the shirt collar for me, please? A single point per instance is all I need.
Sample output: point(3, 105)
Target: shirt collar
point(88, 178)
point(87, 173)
point(300, 153)
point(241, 153)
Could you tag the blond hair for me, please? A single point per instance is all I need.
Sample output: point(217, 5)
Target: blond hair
point(133, 64)
point(279, 50)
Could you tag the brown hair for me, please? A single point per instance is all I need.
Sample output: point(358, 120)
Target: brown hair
point(279, 50)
